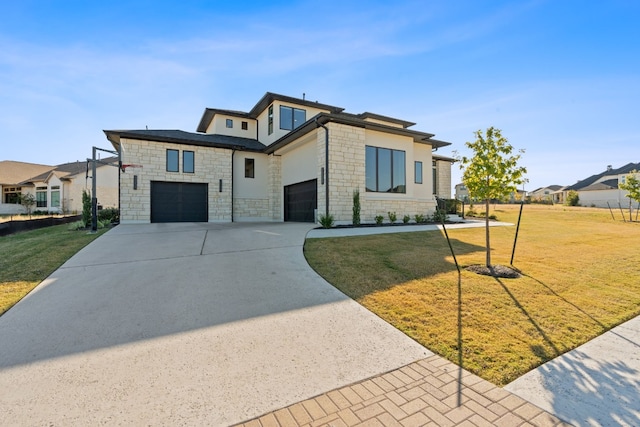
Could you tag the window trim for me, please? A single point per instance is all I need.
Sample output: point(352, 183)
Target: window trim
point(177, 160)
point(293, 117)
point(193, 162)
point(417, 177)
point(392, 173)
point(244, 125)
point(249, 167)
point(229, 123)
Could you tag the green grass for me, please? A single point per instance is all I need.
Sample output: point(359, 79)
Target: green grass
point(580, 279)
point(27, 258)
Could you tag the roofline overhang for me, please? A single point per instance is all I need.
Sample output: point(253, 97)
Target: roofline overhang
point(324, 118)
point(116, 136)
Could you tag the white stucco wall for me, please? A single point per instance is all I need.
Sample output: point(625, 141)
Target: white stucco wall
point(251, 195)
point(219, 126)
point(263, 122)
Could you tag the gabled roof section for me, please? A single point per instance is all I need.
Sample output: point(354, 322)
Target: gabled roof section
point(13, 173)
point(610, 184)
point(188, 138)
point(367, 115)
point(209, 113)
point(610, 172)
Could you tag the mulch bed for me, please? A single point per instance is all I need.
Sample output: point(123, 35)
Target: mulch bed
point(500, 271)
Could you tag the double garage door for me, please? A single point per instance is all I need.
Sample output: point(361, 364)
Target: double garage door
point(179, 202)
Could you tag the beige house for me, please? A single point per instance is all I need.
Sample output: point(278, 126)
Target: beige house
point(57, 189)
point(287, 159)
point(601, 190)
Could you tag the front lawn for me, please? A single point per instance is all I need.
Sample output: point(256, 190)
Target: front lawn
point(27, 258)
point(580, 278)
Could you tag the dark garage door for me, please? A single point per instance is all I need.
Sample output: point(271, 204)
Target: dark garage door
point(179, 202)
point(300, 201)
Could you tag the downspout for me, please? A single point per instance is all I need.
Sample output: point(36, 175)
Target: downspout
point(326, 166)
point(233, 153)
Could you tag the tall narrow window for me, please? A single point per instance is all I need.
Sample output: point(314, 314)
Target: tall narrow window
point(249, 168)
point(385, 170)
point(418, 172)
point(188, 162)
point(55, 196)
point(244, 125)
point(173, 164)
point(229, 123)
point(270, 119)
point(435, 178)
point(41, 197)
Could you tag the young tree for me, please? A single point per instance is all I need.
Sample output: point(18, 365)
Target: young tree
point(27, 200)
point(632, 187)
point(492, 172)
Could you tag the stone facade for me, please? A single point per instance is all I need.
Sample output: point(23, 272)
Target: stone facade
point(275, 187)
point(443, 181)
point(211, 165)
point(247, 209)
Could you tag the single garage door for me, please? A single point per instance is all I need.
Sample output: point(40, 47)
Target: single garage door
point(179, 202)
point(301, 201)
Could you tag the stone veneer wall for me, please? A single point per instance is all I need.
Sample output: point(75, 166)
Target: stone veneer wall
point(443, 170)
point(275, 187)
point(251, 209)
point(347, 173)
point(211, 165)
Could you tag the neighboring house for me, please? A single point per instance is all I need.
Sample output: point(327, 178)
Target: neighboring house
point(549, 194)
point(601, 190)
point(272, 164)
point(462, 193)
point(56, 188)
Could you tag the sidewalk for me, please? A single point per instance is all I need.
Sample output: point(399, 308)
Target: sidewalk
point(429, 392)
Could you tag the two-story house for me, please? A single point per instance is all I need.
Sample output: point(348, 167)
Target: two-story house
point(286, 159)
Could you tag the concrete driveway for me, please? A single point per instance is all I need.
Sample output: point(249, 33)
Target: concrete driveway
point(186, 324)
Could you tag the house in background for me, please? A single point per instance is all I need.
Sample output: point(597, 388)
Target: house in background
point(56, 189)
point(549, 194)
point(286, 159)
point(601, 190)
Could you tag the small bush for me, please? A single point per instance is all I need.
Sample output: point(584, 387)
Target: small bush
point(440, 215)
point(379, 219)
point(109, 215)
point(573, 199)
point(392, 217)
point(419, 218)
point(356, 208)
point(326, 221)
point(406, 219)
point(77, 225)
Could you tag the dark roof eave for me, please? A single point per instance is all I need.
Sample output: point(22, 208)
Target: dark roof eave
point(269, 97)
point(115, 136)
point(323, 118)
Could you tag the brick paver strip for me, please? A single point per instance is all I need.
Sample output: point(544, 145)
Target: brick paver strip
point(429, 392)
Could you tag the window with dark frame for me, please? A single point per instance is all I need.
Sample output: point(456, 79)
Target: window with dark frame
point(291, 118)
point(229, 123)
point(245, 125)
point(385, 170)
point(188, 162)
point(41, 197)
point(435, 177)
point(270, 119)
point(418, 172)
point(249, 168)
point(173, 162)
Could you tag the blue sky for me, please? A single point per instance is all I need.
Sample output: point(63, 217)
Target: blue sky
point(561, 78)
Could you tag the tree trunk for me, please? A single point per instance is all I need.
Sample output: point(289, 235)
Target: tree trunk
point(486, 219)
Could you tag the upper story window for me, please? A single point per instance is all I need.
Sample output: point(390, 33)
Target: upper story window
point(245, 125)
point(229, 123)
point(270, 119)
point(173, 163)
point(188, 162)
point(385, 170)
point(291, 118)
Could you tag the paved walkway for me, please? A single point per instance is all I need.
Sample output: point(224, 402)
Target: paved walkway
point(429, 392)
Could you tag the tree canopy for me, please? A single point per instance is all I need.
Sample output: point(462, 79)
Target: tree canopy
point(492, 172)
point(631, 185)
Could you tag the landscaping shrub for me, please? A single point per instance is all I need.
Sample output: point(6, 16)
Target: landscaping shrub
point(379, 219)
point(406, 219)
point(109, 215)
point(326, 221)
point(440, 215)
point(392, 217)
point(356, 208)
point(573, 199)
point(419, 218)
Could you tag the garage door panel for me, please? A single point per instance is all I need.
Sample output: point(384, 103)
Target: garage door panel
point(179, 202)
point(301, 201)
